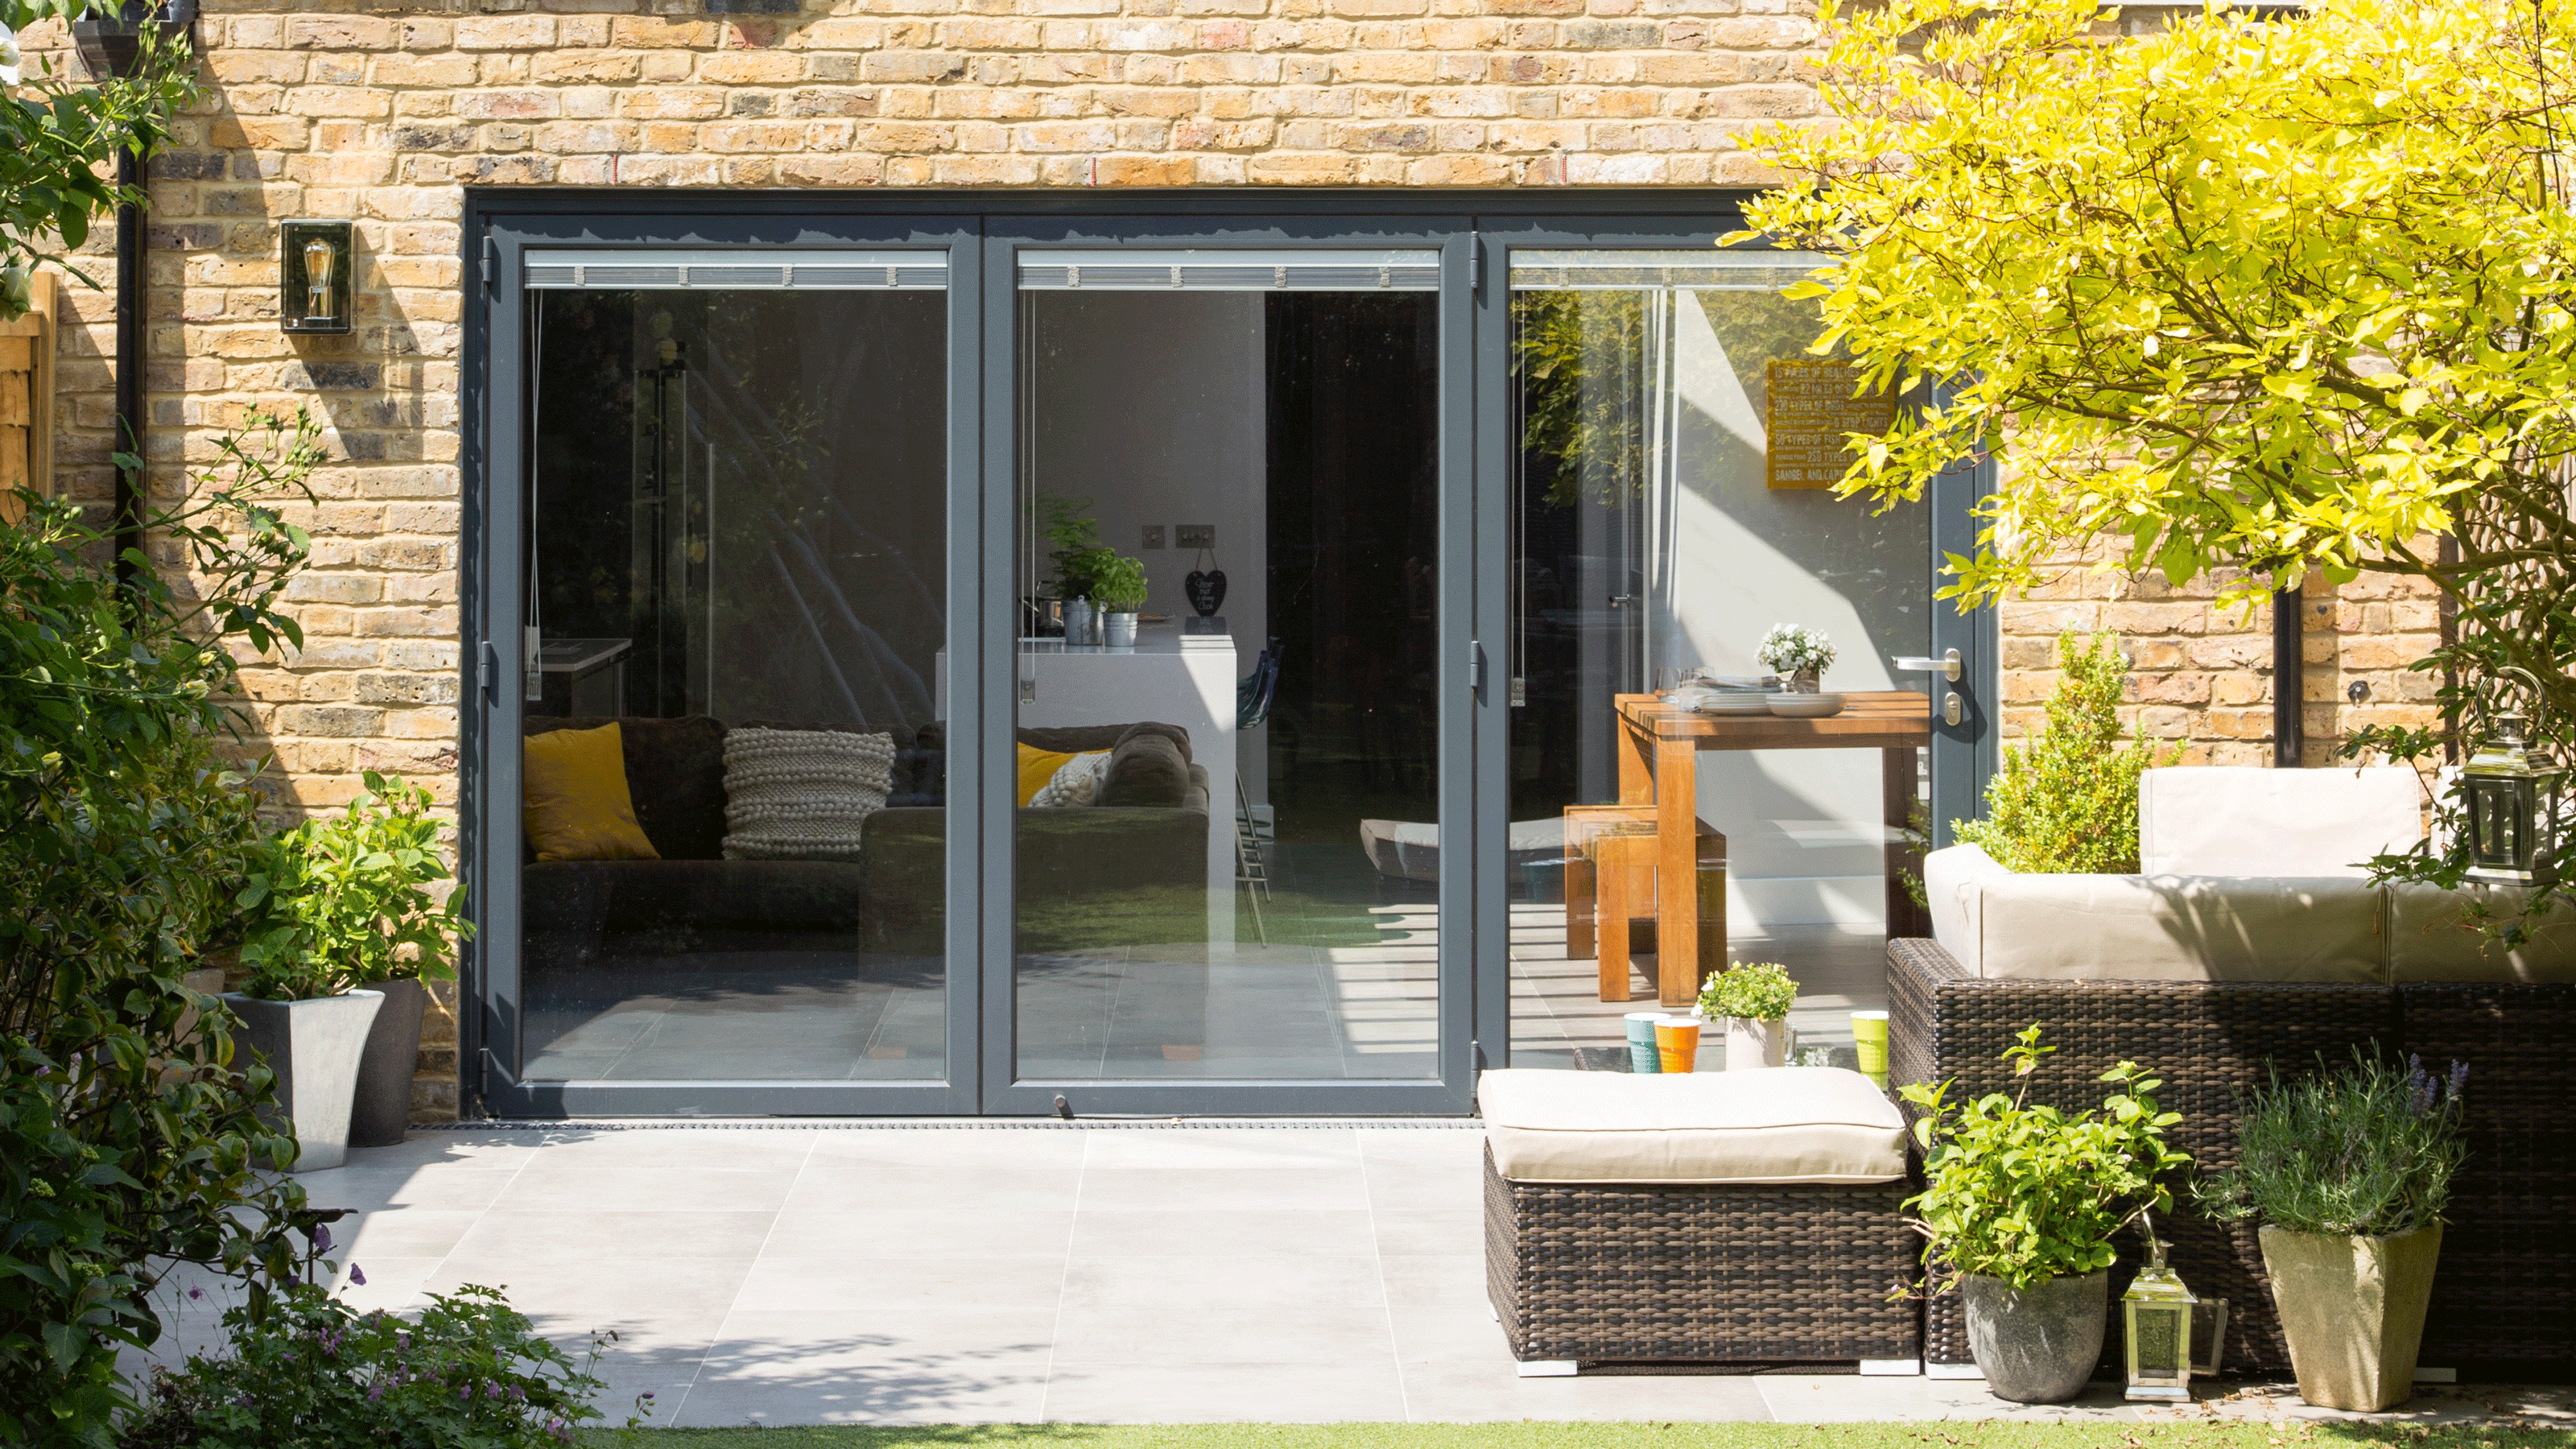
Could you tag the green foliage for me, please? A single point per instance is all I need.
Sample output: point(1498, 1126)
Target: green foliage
point(2066, 801)
point(2369, 1152)
point(1118, 583)
point(2282, 295)
point(127, 1135)
point(52, 135)
point(2026, 1194)
point(333, 904)
point(305, 1370)
point(1068, 524)
point(1755, 990)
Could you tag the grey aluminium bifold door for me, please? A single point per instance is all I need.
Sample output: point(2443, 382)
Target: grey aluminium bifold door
point(1218, 786)
point(728, 530)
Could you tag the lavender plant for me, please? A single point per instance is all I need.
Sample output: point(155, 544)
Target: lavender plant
point(2366, 1152)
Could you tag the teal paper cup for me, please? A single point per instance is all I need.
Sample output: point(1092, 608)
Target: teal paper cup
point(1642, 1056)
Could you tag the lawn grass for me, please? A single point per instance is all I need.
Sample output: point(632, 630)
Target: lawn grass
point(1973, 1434)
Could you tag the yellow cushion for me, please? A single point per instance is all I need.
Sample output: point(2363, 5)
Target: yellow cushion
point(1036, 768)
point(573, 796)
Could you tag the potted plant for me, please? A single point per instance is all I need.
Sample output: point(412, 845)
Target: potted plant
point(1074, 537)
point(1753, 1000)
point(1118, 587)
point(342, 908)
point(2018, 1207)
point(1800, 654)
point(2349, 1173)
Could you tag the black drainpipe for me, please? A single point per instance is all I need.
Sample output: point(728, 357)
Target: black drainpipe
point(114, 47)
point(2289, 672)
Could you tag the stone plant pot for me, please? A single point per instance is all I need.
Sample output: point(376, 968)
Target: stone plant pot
point(381, 1111)
point(313, 1045)
point(1118, 631)
point(1752, 1042)
point(2037, 1345)
point(2353, 1311)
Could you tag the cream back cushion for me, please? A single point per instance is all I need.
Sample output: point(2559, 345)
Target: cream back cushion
point(802, 794)
point(1779, 1125)
point(2241, 820)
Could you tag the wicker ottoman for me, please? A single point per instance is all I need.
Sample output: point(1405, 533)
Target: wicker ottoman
point(1732, 1219)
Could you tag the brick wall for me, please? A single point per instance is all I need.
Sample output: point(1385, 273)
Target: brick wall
point(384, 113)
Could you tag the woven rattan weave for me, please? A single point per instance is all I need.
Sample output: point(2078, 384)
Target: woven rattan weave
point(1613, 1273)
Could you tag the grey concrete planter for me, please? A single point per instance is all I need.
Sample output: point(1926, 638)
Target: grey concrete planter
point(313, 1045)
point(2037, 1345)
point(2353, 1310)
point(381, 1112)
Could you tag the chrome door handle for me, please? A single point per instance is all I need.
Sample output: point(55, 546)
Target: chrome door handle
point(1947, 666)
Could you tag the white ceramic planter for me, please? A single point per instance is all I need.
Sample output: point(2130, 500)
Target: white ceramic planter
point(1118, 631)
point(314, 1046)
point(1751, 1042)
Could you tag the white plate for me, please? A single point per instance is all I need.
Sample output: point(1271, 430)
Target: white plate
point(1710, 701)
point(1804, 706)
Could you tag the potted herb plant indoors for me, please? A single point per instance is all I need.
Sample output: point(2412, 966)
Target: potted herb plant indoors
point(1075, 539)
point(1799, 654)
point(1752, 999)
point(2018, 1208)
point(2348, 1173)
point(1118, 588)
point(347, 907)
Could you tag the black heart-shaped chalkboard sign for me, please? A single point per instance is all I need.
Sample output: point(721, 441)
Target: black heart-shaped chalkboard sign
point(1206, 590)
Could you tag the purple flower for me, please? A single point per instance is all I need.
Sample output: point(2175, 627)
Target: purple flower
point(356, 1276)
point(2459, 1079)
point(195, 1293)
point(321, 1238)
point(647, 1394)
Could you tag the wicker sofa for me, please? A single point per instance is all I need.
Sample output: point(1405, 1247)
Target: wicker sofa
point(2214, 976)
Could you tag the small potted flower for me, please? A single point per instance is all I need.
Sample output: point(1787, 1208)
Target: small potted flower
point(1799, 654)
point(2349, 1173)
point(1753, 1000)
point(2018, 1208)
point(343, 909)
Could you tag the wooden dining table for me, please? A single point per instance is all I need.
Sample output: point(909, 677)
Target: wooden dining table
point(1659, 746)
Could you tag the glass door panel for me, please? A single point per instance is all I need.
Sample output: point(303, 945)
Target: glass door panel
point(1227, 831)
point(733, 595)
point(1655, 540)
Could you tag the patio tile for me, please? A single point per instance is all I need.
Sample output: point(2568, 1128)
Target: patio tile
point(1425, 1189)
point(1244, 1310)
point(402, 1232)
point(777, 1283)
point(645, 1189)
point(1438, 1232)
point(1202, 1189)
point(679, 1149)
point(1478, 1393)
point(955, 1147)
point(659, 1306)
point(1844, 1399)
point(493, 1151)
point(1222, 1149)
point(1189, 1393)
point(1445, 1332)
point(629, 1235)
point(828, 1183)
point(870, 1232)
point(969, 1365)
point(1185, 1233)
point(393, 1283)
point(459, 1188)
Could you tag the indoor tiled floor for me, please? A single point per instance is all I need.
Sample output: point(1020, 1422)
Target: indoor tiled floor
point(891, 1272)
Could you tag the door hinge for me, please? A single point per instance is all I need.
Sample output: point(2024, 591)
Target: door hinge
point(1475, 265)
point(1475, 667)
point(491, 259)
point(487, 673)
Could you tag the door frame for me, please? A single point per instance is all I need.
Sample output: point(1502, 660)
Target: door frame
point(1473, 229)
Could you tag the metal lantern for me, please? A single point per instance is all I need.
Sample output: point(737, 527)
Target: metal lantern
point(2157, 1311)
point(2512, 808)
point(313, 266)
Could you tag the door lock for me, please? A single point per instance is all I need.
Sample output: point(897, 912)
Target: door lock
point(1947, 666)
point(1950, 708)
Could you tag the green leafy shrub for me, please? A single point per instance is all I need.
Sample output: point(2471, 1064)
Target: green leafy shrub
point(1754, 990)
point(1118, 583)
point(127, 1138)
point(334, 903)
point(2026, 1194)
point(2368, 1152)
point(1066, 523)
point(308, 1371)
point(2066, 801)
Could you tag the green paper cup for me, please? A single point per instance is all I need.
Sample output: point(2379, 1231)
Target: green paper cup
point(1869, 1037)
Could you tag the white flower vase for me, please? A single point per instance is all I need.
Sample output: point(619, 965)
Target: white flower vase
point(1751, 1042)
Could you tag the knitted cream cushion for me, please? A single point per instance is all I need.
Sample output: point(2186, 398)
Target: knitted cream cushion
point(1076, 782)
point(802, 794)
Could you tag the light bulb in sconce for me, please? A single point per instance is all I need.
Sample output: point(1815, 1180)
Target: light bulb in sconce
point(318, 260)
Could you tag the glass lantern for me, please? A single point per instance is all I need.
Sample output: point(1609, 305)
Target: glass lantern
point(2512, 807)
point(2157, 1311)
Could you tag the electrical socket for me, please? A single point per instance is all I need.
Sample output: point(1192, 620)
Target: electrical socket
point(1194, 535)
point(1153, 535)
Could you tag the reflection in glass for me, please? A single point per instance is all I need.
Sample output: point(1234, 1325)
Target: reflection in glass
point(733, 585)
point(1649, 546)
point(1228, 835)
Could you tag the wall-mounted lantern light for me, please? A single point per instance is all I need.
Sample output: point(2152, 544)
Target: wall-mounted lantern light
point(2512, 804)
point(314, 259)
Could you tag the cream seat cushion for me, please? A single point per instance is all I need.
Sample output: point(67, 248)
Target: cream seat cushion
point(2245, 820)
point(1780, 1125)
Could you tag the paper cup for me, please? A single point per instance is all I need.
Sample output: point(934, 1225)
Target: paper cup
point(1869, 1040)
point(1677, 1042)
point(1641, 1042)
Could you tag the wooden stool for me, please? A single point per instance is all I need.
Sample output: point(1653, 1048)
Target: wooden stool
point(1610, 894)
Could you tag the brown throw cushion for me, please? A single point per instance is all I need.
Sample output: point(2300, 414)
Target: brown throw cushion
point(1147, 769)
